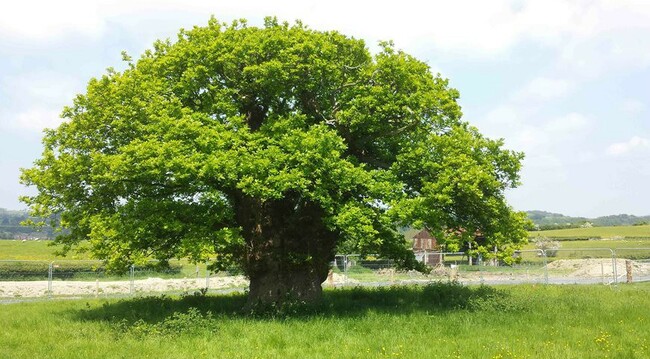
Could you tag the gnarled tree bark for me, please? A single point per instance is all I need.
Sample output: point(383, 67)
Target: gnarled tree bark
point(288, 248)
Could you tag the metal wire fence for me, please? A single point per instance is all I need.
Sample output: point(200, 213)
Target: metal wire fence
point(87, 278)
point(551, 266)
point(82, 278)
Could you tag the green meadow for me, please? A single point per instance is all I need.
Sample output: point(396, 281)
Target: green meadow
point(596, 232)
point(441, 320)
point(624, 237)
point(435, 321)
point(596, 242)
point(28, 260)
point(12, 249)
point(591, 244)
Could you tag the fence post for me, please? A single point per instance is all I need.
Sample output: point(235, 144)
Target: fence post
point(131, 279)
point(469, 253)
point(345, 269)
point(545, 266)
point(50, 269)
point(628, 271)
point(614, 269)
point(480, 268)
point(207, 277)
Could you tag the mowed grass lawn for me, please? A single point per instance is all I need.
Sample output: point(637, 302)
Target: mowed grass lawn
point(436, 321)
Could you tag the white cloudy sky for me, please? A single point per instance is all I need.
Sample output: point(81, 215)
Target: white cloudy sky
point(567, 82)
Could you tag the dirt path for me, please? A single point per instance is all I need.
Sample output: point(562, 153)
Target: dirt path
point(595, 267)
point(29, 289)
point(580, 270)
point(35, 289)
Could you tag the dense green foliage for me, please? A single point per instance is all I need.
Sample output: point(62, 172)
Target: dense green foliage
point(622, 220)
point(439, 321)
point(272, 147)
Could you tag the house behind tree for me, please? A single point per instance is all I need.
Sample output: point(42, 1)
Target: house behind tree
point(424, 246)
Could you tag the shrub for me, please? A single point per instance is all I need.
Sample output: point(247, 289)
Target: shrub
point(549, 246)
point(190, 322)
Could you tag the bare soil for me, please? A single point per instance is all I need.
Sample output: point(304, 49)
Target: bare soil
point(33, 289)
point(595, 267)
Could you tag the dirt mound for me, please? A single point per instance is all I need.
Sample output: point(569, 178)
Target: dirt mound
point(337, 279)
point(596, 267)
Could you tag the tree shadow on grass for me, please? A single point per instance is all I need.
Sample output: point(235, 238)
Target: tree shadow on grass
point(431, 299)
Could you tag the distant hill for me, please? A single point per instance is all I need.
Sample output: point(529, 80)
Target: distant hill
point(548, 220)
point(10, 223)
point(621, 220)
point(10, 227)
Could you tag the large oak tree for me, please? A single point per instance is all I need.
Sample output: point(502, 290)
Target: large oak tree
point(272, 148)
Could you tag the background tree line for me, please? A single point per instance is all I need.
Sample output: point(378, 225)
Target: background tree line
point(11, 228)
point(548, 220)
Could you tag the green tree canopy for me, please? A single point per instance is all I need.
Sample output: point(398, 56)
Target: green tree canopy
point(272, 148)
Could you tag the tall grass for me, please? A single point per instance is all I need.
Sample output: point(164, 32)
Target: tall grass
point(435, 321)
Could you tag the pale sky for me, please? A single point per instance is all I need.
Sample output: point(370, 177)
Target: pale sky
point(567, 82)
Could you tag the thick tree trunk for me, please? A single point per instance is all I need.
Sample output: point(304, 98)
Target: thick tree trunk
point(288, 249)
point(280, 286)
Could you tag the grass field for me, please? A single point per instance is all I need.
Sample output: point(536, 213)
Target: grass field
point(73, 266)
point(637, 236)
point(589, 244)
point(41, 250)
point(437, 321)
point(11, 249)
point(597, 248)
point(593, 232)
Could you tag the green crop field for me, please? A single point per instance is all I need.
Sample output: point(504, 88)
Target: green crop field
point(596, 232)
point(437, 321)
point(34, 256)
point(11, 249)
point(589, 244)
